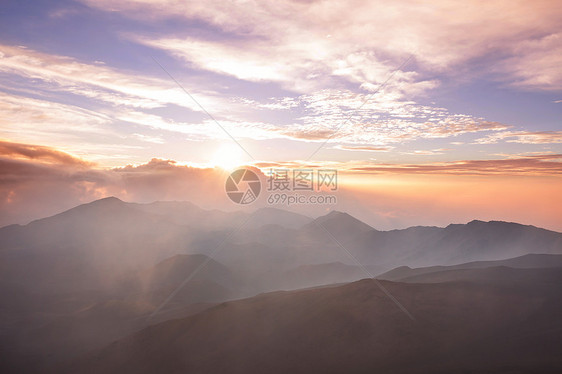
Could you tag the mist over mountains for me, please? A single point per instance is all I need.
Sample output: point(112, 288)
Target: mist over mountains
point(75, 282)
point(107, 239)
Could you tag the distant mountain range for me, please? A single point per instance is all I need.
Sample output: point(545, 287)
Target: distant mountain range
point(95, 245)
point(78, 280)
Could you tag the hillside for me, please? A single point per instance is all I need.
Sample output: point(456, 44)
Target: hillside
point(356, 328)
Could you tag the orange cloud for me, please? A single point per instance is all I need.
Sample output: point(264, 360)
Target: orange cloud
point(548, 164)
point(511, 165)
point(40, 153)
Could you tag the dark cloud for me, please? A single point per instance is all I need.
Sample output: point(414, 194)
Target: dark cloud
point(31, 188)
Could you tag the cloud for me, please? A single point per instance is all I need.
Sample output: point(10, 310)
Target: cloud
point(167, 180)
point(38, 181)
point(204, 130)
point(302, 66)
point(32, 119)
point(254, 64)
point(378, 120)
point(431, 152)
point(379, 123)
point(273, 103)
point(98, 81)
point(362, 41)
point(523, 137)
point(17, 151)
point(535, 64)
point(363, 148)
point(148, 138)
point(529, 164)
point(547, 164)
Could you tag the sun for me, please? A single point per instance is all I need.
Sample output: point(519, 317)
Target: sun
point(228, 157)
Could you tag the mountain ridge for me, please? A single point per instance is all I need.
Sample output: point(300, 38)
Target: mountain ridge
point(333, 214)
point(354, 328)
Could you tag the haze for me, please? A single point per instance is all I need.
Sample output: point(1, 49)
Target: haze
point(294, 186)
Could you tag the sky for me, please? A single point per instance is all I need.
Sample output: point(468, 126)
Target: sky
point(432, 112)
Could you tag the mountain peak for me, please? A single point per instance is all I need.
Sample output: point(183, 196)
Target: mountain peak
point(341, 221)
point(337, 213)
point(475, 222)
point(103, 203)
point(493, 223)
point(108, 200)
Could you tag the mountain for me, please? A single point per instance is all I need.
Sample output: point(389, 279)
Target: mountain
point(454, 244)
point(275, 250)
point(341, 226)
point(356, 328)
point(188, 214)
point(94, 245)
point(210, 281)
point(316, 275)
point(338, 237)
point(273, 216)
point(87, 247)
point(61, 326)
point(93, 274)
point(491, 275)
point(522, 262)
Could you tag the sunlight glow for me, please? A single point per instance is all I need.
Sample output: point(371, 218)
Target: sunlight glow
point(228, 157)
